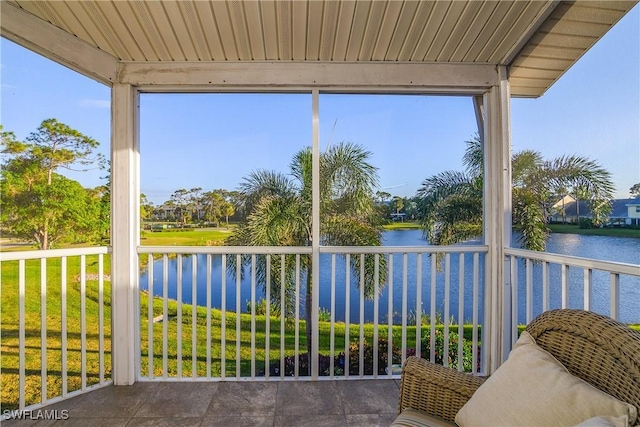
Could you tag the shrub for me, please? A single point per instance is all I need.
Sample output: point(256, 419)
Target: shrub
point(354, 357)
point(452, 356)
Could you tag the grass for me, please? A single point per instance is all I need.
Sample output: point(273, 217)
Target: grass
point(407, 225)
point(609, 231)
point(190, 237)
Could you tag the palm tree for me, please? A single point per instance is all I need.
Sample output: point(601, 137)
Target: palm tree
point(451, 202)
point(279, 214)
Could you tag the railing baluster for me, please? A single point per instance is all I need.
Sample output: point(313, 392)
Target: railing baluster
point(83, 319)
point(390, 317)
point(150, 315)
point(529, 288)
point(179, 317)
point(461, 312)
point(238, 308)
point(283, 312)
point(21, 333)
point(332, 330)
point(63, 324)
point(545, 286)
point(432, 310)
point(476, 280)
point(347, 319)
point(405, 285)
point(101, 318)
point(588, 279)
point(514, 299)
point(223, 320)
point(565, 285)
point(253, 316)
point(267, 325)
point(614, 296)
point(194, 316)
point(361, 340)
point(297, 320)
point(418, 303)
point(376, 300)
point(165, 316)
point(447, 290)
point(208, 303)
point(43, 330)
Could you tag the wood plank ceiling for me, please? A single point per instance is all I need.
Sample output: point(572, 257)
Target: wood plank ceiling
point(538, 40)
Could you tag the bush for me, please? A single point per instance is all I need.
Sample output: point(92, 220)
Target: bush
point(452, 356)
point(585, 223)
point(354, 357)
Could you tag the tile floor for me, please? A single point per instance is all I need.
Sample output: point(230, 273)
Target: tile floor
point(287, 403)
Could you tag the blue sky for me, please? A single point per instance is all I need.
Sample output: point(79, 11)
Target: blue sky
point(214, 140)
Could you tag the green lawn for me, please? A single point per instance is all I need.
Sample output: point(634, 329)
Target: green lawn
point(407, 225)
point(609, 231)
point(190, 237)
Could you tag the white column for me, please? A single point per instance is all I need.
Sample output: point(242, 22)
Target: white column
point(497, 216)
point(315, 231)
point(125, 233)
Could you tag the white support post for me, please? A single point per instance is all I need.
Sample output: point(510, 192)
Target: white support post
point(315, 232)
point(497, 216)
point(125, 233)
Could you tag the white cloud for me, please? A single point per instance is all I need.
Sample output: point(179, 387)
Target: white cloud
point(94, 103)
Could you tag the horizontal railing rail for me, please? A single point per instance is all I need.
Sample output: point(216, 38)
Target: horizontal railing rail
point(215, 312)
point(56, 325)
point(541, 281)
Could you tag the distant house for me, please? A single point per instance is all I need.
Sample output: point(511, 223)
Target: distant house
point(623, 211)
point(633, 211)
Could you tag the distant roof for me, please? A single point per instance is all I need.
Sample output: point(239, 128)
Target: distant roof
point(538, 40)
point(633, 202)
point(618, 208)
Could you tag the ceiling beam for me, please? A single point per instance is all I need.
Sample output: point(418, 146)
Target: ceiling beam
point(46, 39)
point(374, 76)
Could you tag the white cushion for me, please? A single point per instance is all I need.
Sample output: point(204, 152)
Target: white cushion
point(533, 389)
point(604, 422)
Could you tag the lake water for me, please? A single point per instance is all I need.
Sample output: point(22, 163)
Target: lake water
point(605, 248)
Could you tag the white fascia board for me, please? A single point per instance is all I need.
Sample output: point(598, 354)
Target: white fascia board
point(46, 39)
point(357, 77)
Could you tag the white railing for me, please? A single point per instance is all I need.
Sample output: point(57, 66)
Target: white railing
point(543, 281)
point(223, 331)
point(56, 323)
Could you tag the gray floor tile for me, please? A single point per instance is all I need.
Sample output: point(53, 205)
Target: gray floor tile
point(368, 396)
point(27, 423)
point(306, 397)
point(119, 401)
point(311, 421)
point(370, 420)
point(164, 422)
point(247, 399)
point(237, 421)
point(176, 400)
point(93, 422)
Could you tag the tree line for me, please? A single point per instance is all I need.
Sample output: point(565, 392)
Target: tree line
point(42, 206)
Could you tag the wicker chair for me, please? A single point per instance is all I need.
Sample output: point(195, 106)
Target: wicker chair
point(601, 351)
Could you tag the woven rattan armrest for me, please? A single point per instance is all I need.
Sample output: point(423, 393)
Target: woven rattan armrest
point(434, 389)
